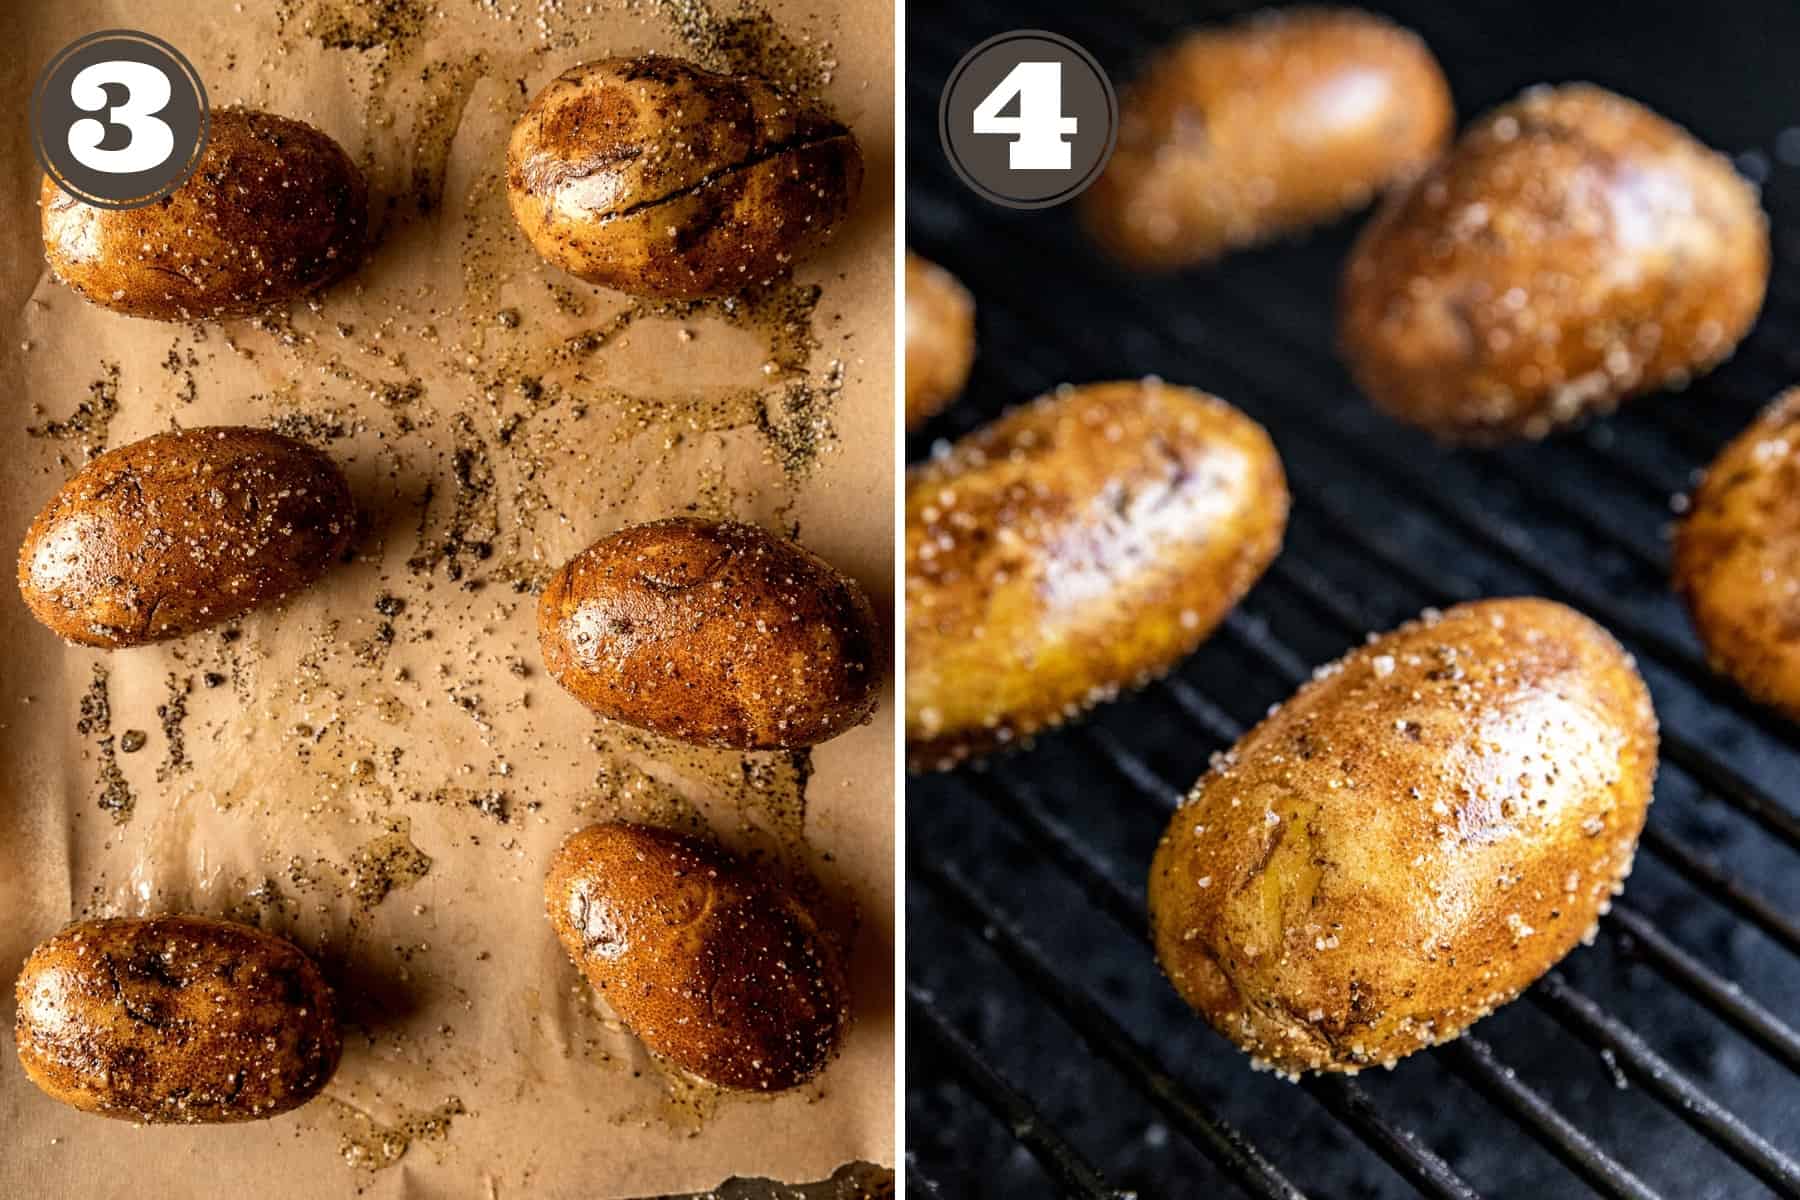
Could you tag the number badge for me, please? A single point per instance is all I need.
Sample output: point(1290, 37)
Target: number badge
point(1028, 119)
point(119, 119)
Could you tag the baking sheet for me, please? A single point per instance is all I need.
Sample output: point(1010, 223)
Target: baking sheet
point(380, 768)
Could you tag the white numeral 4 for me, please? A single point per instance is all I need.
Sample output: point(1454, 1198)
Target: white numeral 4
point(1040, 127)
point(146, 94)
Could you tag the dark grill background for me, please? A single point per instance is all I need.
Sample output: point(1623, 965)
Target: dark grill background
point(1046, 1052)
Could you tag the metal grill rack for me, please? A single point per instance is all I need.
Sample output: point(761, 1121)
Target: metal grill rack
point(1046, 1054)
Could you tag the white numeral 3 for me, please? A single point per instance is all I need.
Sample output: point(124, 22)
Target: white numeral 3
point(147, 93)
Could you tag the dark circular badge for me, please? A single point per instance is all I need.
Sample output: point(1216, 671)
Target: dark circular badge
point(119, 118)
point(1028, 119)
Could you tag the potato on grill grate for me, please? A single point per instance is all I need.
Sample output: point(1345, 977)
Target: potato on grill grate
point(1076, 546)
point(1411, 840)
point(1737, 557)
point(1573, 249)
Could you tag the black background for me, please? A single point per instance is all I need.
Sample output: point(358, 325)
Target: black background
point(1591, 507)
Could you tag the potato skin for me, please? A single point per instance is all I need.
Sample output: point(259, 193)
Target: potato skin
point(1417, 835)
point(713, 967)
point(940, 339)
point(1236, 135)
point(1077, 546)
point(657, 178)
point(181, 531)
point(274, 209)
point(175, 1020)
point(1573, 249)
point(714, 632)
point(1737, 557)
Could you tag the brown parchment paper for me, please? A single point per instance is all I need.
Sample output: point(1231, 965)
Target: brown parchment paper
point(379, 768)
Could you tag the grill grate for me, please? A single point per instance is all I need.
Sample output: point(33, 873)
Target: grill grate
point(1643, 1066)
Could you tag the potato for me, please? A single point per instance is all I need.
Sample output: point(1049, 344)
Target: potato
point(715, 968)
point(1572, 250)
point(1076, 546)
point(658, 178)
point(181, 531)
point(715, 633)
point(1737, 557)
point(175, 1020)
point(274, 209)
point(940, 339)
point(1233, 136)
point(1420, 832)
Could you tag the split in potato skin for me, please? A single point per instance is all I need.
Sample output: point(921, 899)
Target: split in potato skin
point(661, 179)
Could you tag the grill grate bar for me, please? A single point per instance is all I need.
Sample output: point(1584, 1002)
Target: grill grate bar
point(1072, 1173)
point(1350, 1106)
point(1734, 788)
point(1497, 535)
point(1420, 1164)
point(1710, 881)
point(1713, 776)
point(1507, 541)
point(1217, 1139)
point(1705, 879)
point(1155, 29)
point(1474, 1060)
point(1417, 1164)
point(919, 1185)
point(1738, 791)
point(1724, 998)
point(1632, 1055)
point(1600, 1029)
point(1253, 635)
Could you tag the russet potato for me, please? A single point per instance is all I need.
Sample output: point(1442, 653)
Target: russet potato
point(1420, 832)
point(274, 209)
point(1238, 134)
point(181, 531)
point(1077, 546)
point(1571, 250)
point(656, 177)
point(716, 968)
point(713, 632)
point(175, 1020)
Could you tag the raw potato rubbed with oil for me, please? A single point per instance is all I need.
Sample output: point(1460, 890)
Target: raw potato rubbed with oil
point(713, 632)
point(1079, 545)
point(1411, 840)
point(181, 531)
point(1571, 250)
point(1239, 134)
point(715, 968)
point(658, 178)
point(175, 1020)
point(274, 209)
point(1737, 557)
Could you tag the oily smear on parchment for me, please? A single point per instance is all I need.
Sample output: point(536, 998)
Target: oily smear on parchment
point(469, 403)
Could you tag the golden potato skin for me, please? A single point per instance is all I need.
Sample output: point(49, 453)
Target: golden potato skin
point(657, 178)
point(1573, 249)
point(1077, 546)
point(940, 339)
point(175, 1020)
point(713, 967)
point(1737, 557)
point(1417, 835)
point(713, 632)
point(274, 209)
point(181, 531)
point(1236, 135)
